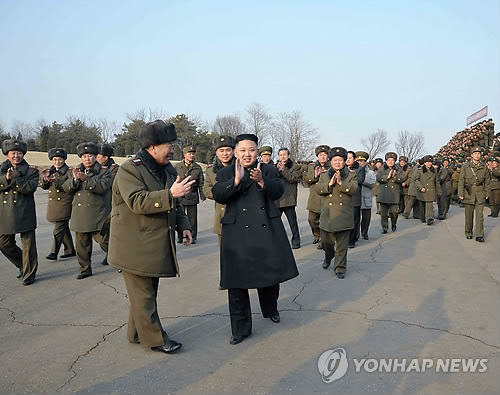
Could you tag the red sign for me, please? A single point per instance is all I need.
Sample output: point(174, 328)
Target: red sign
point(483, 112)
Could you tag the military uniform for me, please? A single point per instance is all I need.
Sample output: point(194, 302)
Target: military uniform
point(474, 187)
point(446, 189)
point(389, 194)
point(454, 183)
point(314, 200)
point(404, 187)
point(376, 188)
point(17, 212)
point(412, 202)
point(89, 208)
point(495, 190)
point(427, 179)
point(192, 199)
point(59, 205)
point(336, 220)
point(290, 176)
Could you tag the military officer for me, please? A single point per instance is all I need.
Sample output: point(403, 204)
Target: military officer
point(412, 202)
point(473, 189)
point(315, 169)
point(494, 186)
point(403, 165)
point(89, 184)
point(189, 168)
point(454, 182)
point(370, 179)
point(354, 165)
point(104, 158)
point(444, 174)
point(428, 188)
point(255, 252)
point(224, 152)
point(18, 183)
point(59, 204)
point(390, 180)
point(146, 214)
point(266, 153)
point(290, 174)
point(379, 162)
point(337, 186)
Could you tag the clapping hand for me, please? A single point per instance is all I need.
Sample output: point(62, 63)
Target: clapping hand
point(256, 175)
point(239, 172)
point(10, 174)
point(318, 170)
point(181, 188)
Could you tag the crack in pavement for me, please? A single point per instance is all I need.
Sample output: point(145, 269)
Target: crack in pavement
point(377, 302)
point(71, 368)
point(114, 289)
point(300, 293)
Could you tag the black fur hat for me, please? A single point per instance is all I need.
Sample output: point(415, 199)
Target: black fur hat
point(57, 152)
point(321, 148)
point(337, 151)
point(156, 133)
point(14, 145)
point(86, 148)
point(223, 141)
point(105, 149)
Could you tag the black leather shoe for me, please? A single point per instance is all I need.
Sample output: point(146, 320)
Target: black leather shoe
point(315, 241)
point(221, 289)
point(105, 261)
point(430, 221)
point(365, 237)
point(480, 239)
point(340, 275)
point(393, 227)
point(326, 264)
point(20, 274)
point(406, 217)
point(384, 231)
point(237, 339)
point(83, 275)
point(319, 247)
point(68, 255)
point(179, 241)
point(351, 245)
point(193, 241)
point(51, 257)
point(469, 237)
point(169, 348)
point(275, 318)
point(296, 247)
point(28, 281)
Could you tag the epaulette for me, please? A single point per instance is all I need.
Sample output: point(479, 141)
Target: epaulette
point(351, 171)
point(114, 164)
point(104, 167)
point(33, 167)
point(136, 161)
point(209, 166)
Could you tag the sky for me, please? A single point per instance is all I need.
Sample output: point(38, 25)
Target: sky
point(350, 67)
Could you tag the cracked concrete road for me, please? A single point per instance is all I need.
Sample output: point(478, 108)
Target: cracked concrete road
point(421, 292)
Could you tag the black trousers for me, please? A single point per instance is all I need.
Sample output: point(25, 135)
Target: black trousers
point(366, 216)
point(354, 235)
point(240, 311)
point(291, 216)
point(443, 205)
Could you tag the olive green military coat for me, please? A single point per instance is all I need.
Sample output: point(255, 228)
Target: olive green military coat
point(210, 180)
point(17, 204)
point(59, 204)
point(412, 188)
point(479, 183)
point(389, 189)
point(196, 172)
point(428, 179)
point(144, 219)
point(89, 207)
point(495, 179)
point(336, 205)
point(309, 179)
point(290, 176)
point(445, 180)
point(113, 169)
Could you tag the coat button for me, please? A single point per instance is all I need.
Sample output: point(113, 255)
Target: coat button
point(247, 227)
point(57, 190)
point(157, 204)
point(244, 209)
point(340, 195)
point(222, 208)
point(6, 193)
point(263, 225)
point(50, 198)
point(341, 203)
point(347, 190)
point(79, 193)
point(15, 201)
point(332, 195)
point(79, 204)
point(262, 208)
point(329, 204)
point(58, 198)
point(5, 202)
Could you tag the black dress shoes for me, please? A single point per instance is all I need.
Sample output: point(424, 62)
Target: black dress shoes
point(105, 261)
point(315, 241)
point(29, 281)
point(384, 231)
point(393, 227)
point(296, 247)
point(340, 275)
point(179, 241)
point(20, 274)
point(169, 348)
point(351, 245)
point(326, 264)
point(51, 257)
point(68, 255)
point(480, 239)
point(430, 221)
point(83, 275)
point(469, 237)
point(237, 339)
point(365, 237)
point(275, 318)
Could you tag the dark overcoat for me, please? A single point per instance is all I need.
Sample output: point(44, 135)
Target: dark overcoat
point(59, 204)
point(255, 251)
point(17, 204)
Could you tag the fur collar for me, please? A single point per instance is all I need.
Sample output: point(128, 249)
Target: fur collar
point(344, 172)
point(288, 164)
point(62, 170)
point(159, 171)
point(22, 168)
point(94, 169)
point(326, 166)
point(424, 169)
point(218, 164)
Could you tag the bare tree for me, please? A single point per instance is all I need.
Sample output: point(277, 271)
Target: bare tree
point(229, 124)
point(376, 143)
point(292, 131)
point(108, 129)
point(21, 129)
point(410, 144)
point(258, 121)
point(147, 115)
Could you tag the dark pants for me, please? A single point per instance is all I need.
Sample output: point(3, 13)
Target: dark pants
point(62, 236)
point(291, 216)
point(335, 245)
point(402, 203)
point(144, 325)
point(241, 313)
point(386, 211)
point(495, 202)
point(192, 214)
point(426, 210)
point(366, 216)
point(313, 220)
point(354, 235)
point(443, 206)
point(83, 242)
point(26, 260)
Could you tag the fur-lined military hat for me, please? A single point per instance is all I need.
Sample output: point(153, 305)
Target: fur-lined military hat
point(437, 162)
point(105, 149)
point(265, 150)
point(247, 136)
point(391, 155)
point(322, 148)
point(156, 133)
point(14, 145)
point(57, 152)
point(428, 158)
point(86, 148)
point(402, 157)
point(189, 148)
point(337, 151)
point(361, 155)
point(379, 160)
point(223, 141)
